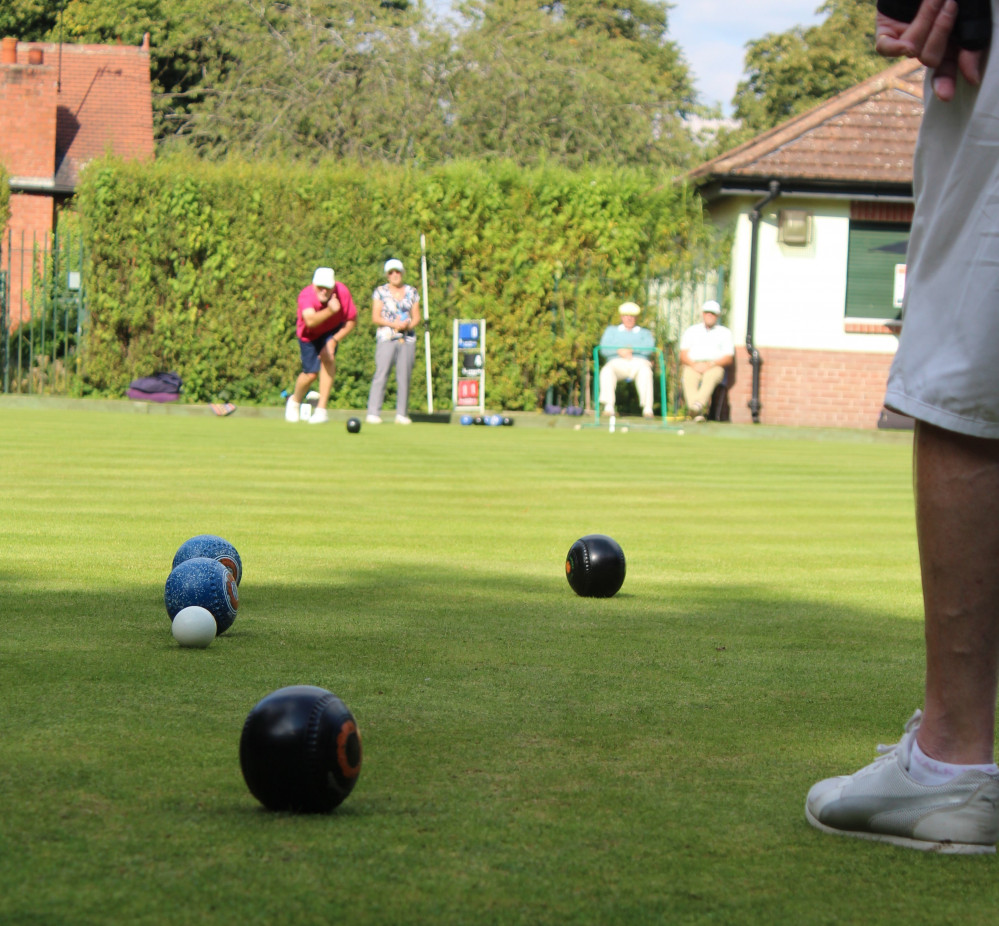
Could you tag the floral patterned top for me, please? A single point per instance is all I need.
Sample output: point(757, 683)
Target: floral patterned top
point(397, 310)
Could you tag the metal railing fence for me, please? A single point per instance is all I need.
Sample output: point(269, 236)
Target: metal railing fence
point(42, 312)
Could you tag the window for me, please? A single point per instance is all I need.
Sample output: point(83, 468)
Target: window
point(873, 266)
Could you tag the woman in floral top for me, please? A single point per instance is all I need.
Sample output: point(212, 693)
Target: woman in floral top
point(395, 309)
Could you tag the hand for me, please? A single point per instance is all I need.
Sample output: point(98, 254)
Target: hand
point(626, 353)
point(334, 304)
point(927, 38)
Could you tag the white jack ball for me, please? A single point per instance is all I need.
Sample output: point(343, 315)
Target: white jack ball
point(194, 626)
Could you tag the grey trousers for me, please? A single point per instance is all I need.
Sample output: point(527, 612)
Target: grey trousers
point(403, 355)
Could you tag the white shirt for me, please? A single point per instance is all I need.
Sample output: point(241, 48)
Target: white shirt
point(705, 344)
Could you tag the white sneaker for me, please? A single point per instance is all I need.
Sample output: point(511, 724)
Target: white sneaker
point(292, 410)
point(373, 419)
point(319, 416)
point(884, 803)
point(403, 419)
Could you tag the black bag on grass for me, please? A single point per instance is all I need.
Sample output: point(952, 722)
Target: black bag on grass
point(160, 387)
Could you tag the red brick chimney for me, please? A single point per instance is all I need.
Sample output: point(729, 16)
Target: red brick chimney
point(28, 104)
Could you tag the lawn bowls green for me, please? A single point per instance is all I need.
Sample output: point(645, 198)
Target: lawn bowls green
point(595, 566)
point(213, 547)
point(354, 425)
point(300, 750)
point(206, 583)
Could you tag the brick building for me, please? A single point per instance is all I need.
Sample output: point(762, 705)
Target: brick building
point(60, 107)
point(827, 196)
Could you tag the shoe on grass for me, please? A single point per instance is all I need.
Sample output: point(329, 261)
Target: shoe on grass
point(292, 410)
point(403, 419)
point(884, 803)
point(373, 419)
point(319, 416)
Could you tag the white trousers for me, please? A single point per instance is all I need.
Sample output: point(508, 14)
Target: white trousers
point(638, 369)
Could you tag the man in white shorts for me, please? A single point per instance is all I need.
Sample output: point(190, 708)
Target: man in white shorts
point(938, 788)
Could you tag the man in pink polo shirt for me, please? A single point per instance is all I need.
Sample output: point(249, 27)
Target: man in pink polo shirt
point(326, 315)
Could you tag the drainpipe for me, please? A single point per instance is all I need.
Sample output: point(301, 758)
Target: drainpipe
point(754, 355)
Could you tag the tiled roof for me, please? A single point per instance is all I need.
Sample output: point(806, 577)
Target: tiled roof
point(105, 103)
point(863, 136)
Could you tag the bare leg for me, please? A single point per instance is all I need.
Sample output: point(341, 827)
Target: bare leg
point(957, 521)
point(327, 371)
point(302, 386)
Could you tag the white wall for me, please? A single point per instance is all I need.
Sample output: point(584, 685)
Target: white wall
point(800, 290)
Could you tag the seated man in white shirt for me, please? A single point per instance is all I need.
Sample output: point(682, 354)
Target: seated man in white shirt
point(706, 353)
point(628, 351)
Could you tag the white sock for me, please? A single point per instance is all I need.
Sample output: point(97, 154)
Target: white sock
point(929, 771)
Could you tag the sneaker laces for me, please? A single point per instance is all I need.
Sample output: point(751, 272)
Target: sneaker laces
point(904, 745)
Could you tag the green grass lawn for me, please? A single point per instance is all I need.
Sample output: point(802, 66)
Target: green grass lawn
point(529, 756)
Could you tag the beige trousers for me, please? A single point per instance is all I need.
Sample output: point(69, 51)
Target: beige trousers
point(699, 387)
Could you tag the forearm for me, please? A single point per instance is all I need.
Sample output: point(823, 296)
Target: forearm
point(318, 317)
point(348, 326)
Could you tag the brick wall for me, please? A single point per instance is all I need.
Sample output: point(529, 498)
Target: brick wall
point(28, 102)
point(32, 220)
point(833, 389)
point(52, 125)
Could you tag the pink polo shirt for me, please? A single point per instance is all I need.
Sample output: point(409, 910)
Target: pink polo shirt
point(308, 298)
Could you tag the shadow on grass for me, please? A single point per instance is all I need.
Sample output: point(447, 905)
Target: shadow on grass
point(404, 593)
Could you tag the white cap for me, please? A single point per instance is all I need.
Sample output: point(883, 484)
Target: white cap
point(629, 308)
point(394, 265)
point(323, 277)
point(712, 307)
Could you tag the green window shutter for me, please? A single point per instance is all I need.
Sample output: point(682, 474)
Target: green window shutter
point(875, 250)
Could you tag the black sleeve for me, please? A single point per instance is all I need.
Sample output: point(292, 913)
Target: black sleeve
point(974, 24)
point(902, 10)
point(974, 19)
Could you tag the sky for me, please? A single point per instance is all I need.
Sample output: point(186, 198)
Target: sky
point(713, 35)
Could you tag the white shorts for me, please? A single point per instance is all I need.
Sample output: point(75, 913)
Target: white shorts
point(946, 370)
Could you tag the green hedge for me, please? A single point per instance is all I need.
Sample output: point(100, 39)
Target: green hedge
point(4, 197)
point(195, 267)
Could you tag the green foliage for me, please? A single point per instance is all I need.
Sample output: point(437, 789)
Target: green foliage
point(580, 82)
point(4, 197)
point(196, 267)
point(792, 71)
point(28, 19)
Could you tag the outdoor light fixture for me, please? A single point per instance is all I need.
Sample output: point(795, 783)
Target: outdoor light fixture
point(794, 226)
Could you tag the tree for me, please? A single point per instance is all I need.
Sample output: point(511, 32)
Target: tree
point(792, 71)
point(572, 82)
point(577, 81)
point(311, 79)
point(28, 19)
